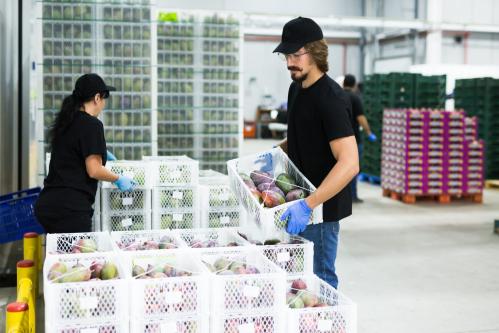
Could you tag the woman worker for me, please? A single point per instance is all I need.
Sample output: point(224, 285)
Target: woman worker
point(77, 160)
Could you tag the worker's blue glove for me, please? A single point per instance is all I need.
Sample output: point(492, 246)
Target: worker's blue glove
point(125, 183)
point(372, 137)
point(298, 216)
point(265, 161)
point(110, 156)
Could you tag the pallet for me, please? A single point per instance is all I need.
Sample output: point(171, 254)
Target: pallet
point(370, 179)
point(440, 198)
point(492, 183)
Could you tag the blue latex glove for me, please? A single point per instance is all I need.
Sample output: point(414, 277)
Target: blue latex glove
point(266, 161)
point(298, 216)
point(110, 156)
point(125, 183)
point(372, 137)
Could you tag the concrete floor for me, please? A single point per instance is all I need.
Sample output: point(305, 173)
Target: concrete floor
point(413, 268)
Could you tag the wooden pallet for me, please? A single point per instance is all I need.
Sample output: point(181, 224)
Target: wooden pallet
point(492, 183)
point(440, 198)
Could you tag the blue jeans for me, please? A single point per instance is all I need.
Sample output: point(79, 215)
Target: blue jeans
point(325, 238)
point(353, 183)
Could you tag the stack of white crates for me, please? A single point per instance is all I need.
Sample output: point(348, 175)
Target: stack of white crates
point(131, 210)
point(220, 208)
point(175, 192)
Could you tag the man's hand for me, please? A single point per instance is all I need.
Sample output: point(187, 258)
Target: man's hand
point(125, 183)
point(110, 156)
point(298, 216)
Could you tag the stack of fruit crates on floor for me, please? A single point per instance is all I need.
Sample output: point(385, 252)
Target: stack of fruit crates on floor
point(425, 154)
point(199, 96)
point(196, 281)
point(395, 90)
point(480, 98)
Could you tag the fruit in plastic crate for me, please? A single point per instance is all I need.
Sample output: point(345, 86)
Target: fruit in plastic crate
point(294, 301)
point(109, 271)
point(157, 271)
point(285, 182)
point(96, 269)
point(84, 246)
point(56, 271)
point(272, 199)
point(259, 177)
point(295, 195)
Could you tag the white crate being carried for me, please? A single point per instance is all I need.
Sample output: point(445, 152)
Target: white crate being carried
point(74, 295)
point(145, 240)
point(243, 281)
point(278, 162)
point(220, 207)
point(140, 171)
point(90, 242)
point(173, 170)
point(175, 207)
point(211, 238)
point(294, 254)
point(315, 306)
point(167, 285)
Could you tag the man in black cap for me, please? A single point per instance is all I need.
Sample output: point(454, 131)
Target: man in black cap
point(320, 142)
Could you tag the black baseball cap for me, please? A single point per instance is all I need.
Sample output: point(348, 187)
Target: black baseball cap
point(298, 32)
point(88, 85)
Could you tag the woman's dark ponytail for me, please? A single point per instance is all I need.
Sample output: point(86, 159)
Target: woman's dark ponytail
point(70, 105)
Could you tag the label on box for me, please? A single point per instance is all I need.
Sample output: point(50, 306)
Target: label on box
point(175, 174)
point(129, 174)
point(251, 291)
point(223, 196)
point(89, 330)
point(126, 222)
point(169, 327)
point(173, 297)
point(178, 217)
point(246, 328)
point(127, 201)
point(224, 220)
point(178, 195)
point(88, 302)
point(283, 256)
point(324, 325)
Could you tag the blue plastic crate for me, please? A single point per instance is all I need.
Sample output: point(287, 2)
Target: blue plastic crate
point(17, 215)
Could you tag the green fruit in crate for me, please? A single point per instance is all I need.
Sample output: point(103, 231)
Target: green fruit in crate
point(85, 246)
point(294, 301)
point(77, 273)
point(285, 182)
point(272, 199)
point(56, 271)
point(221, 264)
point(309, 299)
point(109, 271)
point(137, 270)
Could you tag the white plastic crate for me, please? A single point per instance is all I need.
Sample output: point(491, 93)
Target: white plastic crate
point(249, 322)
point(126, 221)
point(72, 243)
point(175, 198)
point(223, 218)
point(239, 293)
point(115, 201)
point(197, 324)
point(338, 315)
point(294, 254)
point(217, 195)
point(211, 238)
point(173, 170)
point(154, 298)
point(89, 302)
point(268, 218)
point(164, 219)
point(113, 327)
point(140, 171)
point(130, 241)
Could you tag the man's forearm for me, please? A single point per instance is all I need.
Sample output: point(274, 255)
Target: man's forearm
point(364, 124)
point(339, 177)
point(104, 174)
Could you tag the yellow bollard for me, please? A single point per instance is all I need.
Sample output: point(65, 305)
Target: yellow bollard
point(30, 249)
point(16, 318)
point(26, 272)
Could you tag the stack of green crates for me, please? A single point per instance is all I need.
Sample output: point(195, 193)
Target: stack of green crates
point(395, 90)
point(480, 97)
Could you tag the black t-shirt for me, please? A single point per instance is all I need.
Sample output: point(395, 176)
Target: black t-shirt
point(316, 116)
point(357, 110)
point(68, 184)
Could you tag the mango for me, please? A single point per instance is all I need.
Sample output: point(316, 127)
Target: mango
point(272, 199)
point(258, 177)
point(77, 273)
point(285, 182)
point(294, 302)
point(295, 194)
point(309, 299)
point(137, 270)
point(221, 264)
point(96, 269)
point(56, 271)
point(109, 271)
point(86, 245)
point(297, 285)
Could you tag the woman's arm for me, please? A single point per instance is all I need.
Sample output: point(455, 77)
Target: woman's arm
point(96, 170)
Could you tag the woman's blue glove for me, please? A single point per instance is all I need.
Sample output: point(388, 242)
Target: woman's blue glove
point(298, 216)
point(110, 156)
point(372, 137)
point(125, 183)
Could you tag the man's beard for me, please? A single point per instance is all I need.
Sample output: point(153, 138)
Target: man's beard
point(294, 76)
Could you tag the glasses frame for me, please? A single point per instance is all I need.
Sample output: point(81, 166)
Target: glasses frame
point(292, 56)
